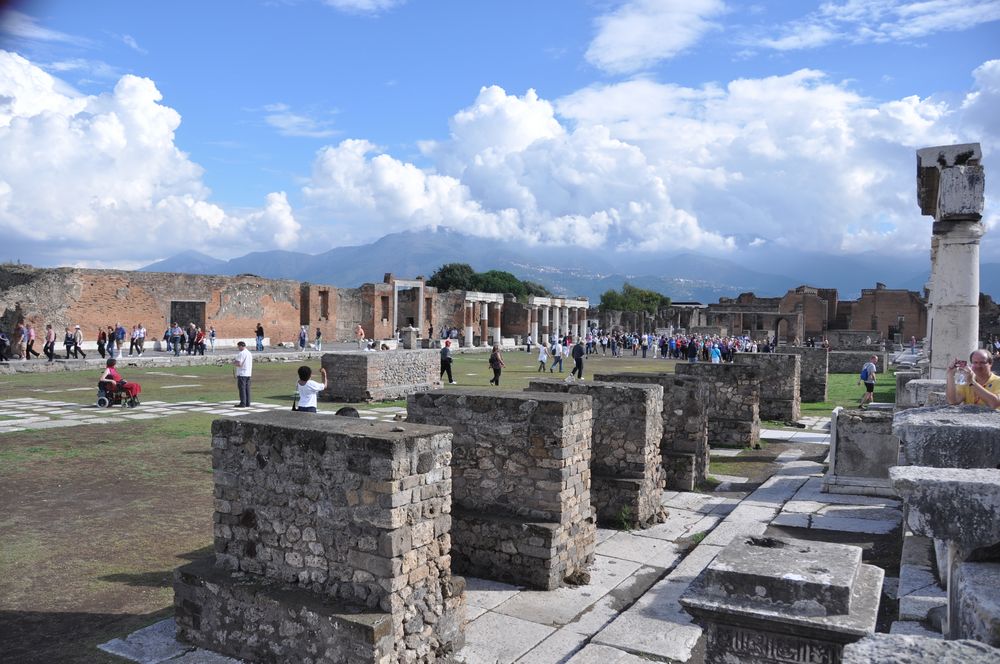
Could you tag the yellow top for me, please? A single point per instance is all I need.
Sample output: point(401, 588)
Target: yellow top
point(968, 396)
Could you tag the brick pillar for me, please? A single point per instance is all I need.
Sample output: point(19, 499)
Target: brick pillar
point(495, 318)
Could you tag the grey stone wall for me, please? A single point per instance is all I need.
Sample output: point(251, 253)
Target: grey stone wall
point(520, 481)
point(626, 474)
point(684, 445)
point(862, 449)
point(815, 369)
point(381, 376)
point(851, 361)
point(902, 378)
point(732, 401)
point(320, 517)
point(779, 383)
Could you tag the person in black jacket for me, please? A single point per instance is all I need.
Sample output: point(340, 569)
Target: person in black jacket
point(578, 352)
point(446, 361)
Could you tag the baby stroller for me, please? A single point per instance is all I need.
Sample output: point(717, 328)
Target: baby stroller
point(122, 394)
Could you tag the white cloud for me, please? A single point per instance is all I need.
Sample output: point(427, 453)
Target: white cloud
point(292, 123)
point(22, 26)
point(130, 41)
point(861, 21)
point(510, 169)
point(364, 6)
point(84, 175)
point(643, 32)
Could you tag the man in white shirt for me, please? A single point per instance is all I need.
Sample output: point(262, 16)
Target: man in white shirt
point(244, 369)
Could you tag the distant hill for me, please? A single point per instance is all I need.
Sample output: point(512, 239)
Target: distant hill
point(768, 271)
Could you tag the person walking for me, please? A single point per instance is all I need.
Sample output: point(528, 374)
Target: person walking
point(868, 378)
point(176, 333)
point(102, 342)
point(359, 334)
point(211, 337)
point(303, 337)
point(557, 357)
point(112, 347)
point(50, 343)
point(244, 370)
point(543, 356)
point(319, 339)
point(497, 365)
point(4, 345)
point(140, 339)
point(578, 353)
point(78, 342)
point(309, 389)
point(446, 361)
point(260, 337)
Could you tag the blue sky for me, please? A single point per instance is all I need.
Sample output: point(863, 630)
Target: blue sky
point(650, 125)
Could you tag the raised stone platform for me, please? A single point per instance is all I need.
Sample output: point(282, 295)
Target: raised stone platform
point(356, 376)
point(862, 449)
point(949, 436)
point(520, 479)
point(331, 543)
point(626, 473)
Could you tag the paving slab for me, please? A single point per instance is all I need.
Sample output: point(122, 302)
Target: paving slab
point(494, 638)
point(636, 547)
point(488, 594)
point(560, 606)
point(558, 647)
point(598, 654)
point(692, 501)
point(149, 645)
point(600, 614)
point(840, 524)
point(678, 524)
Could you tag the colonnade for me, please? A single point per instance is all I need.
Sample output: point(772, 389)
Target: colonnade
point(490, 307)
point(556, 316)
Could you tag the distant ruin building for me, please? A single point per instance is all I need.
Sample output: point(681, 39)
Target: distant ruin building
point(800, 313)
point(234, 306)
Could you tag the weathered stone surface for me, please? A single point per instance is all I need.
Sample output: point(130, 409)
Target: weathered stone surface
point(862, 449)
point(917, 392)
point(521, 481)
point(950, 182)
point(381, 376)
point(815, 371)
point(763, 597)
point(780, 380)
point(320, 518)
point(732, 401)
point(958, 505)
point(949, 436)
point(902, 379)
point(851, 361)
point(898, 649)
point(626, 472)
point(978, 593)
point(684, 445)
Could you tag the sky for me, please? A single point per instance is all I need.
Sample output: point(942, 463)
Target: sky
point(132, 131)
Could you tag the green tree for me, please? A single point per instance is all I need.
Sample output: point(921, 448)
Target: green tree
point(632, 298)
point(498, 281)
point(453, 276)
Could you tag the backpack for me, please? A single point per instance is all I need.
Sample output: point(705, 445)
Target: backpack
point(864, 374)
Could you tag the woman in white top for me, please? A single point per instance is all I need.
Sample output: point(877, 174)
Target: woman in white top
point(543, 356)
point(308, 389)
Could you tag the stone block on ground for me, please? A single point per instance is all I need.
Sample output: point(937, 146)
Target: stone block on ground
point(732, 401)
point(894, 649)
point(902, 394)
point(815, 372)
point(521, 481)
point(684, 446)
point(780, 383)
point(357, 376)
point(862, 449)
point(949, 436)
point(978, 594)
point(626, 470)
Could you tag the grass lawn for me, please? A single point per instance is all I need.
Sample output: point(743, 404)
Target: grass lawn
point(96, 517)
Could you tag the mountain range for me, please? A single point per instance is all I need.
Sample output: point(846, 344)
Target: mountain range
point(573, 271)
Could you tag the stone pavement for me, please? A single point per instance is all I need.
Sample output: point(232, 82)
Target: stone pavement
point(629, 612)
point(32, 413)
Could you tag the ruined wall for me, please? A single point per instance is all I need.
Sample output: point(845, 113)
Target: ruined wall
point(684, 447)
point(815, 372)
point(97, 298)
point(882, 308)
point(851, 361)
point(780, 398)
point(626, 474)
point(514, 322)
point(732, 401)
point(520, 482)
point(813, 307)
point(449, 311)
point(313, 524)
point(380, 376)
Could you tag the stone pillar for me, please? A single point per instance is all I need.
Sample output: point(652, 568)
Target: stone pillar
point(469, 321)
point(356, 377)
point(484, 324)
point(495, 318)
point(320, 553)
point(929, 286)
point(950, 186)
point(564, 326)
point(520, 481)
point(862, 449)
point(780, 383)
point(546, 330)
point(732, 401)
point(533, 327)
point(626, 474)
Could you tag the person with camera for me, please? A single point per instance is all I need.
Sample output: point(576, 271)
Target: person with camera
point(973, 382)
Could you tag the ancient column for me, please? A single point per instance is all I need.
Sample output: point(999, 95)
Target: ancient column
point(484, 324)
point(545, 324)
point(564, 325)
point(570, 330)
point(950, 186)
point(495, 317)
point(533, 324)
point(929, 287)
point(469, 335)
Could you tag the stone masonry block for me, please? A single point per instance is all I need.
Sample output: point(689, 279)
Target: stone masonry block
point(815, 371)
point(732, 401)
point(780, 379)
point(380, 376)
